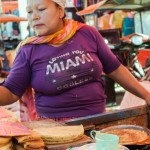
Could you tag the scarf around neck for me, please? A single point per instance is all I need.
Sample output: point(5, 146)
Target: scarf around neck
point(58, 38)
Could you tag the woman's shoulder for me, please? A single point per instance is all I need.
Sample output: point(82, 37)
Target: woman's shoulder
point(89, 31)
point(32, 49)
point(88, 28)
point(26, 48)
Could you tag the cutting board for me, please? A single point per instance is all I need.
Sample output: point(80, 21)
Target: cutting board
point(52, 123)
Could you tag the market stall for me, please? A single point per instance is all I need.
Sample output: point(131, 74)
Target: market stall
point(75, 132)
point(38, 135)
point(8, 42)
point(135, 116)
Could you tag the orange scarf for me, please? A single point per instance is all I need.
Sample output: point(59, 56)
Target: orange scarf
point(70, 28)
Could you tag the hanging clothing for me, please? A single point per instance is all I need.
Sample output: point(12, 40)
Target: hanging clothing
point(117, 19)
point(103, 22)
point(128, 26)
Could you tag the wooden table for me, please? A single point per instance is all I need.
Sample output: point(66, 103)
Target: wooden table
point(134, 116)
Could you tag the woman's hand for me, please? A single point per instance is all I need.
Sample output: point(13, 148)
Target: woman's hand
point(147, 98)
point(122, 76)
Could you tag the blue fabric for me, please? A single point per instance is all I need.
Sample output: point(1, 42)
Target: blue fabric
point(128, 26)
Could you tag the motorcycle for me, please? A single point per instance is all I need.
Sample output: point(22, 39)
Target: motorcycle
point(129, 50)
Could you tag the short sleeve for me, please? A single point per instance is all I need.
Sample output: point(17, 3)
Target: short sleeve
point(109, 60)
point(19, 78)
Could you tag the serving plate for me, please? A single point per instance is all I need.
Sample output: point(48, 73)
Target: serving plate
point(135, 127)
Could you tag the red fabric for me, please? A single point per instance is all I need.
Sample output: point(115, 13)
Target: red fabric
point(27, 106)
point(143, 55)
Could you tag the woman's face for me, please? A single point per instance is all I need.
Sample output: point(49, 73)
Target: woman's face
point(44, 16)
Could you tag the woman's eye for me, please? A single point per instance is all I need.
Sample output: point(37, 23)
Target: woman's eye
point(29, 12)
point(42, 9)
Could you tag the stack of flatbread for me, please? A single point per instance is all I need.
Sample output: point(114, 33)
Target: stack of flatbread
point(60, 134)
point(6, 143)
point(29, 142)
point(7, 115)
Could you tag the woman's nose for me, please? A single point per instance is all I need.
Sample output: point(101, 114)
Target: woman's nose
point(35, 16)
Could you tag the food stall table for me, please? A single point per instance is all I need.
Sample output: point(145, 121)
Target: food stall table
point(51, 123)
point(132, 116)
point(135, 116)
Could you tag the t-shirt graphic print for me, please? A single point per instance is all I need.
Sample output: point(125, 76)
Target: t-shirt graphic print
point(71, 69)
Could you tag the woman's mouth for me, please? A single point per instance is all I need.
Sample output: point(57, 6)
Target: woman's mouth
point(38, 25)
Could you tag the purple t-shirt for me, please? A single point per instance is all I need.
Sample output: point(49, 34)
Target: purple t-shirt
point(66, 79)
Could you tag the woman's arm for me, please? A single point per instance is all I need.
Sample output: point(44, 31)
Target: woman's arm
point(122, 76)
point(6, 97)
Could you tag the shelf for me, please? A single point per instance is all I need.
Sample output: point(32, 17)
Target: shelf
point(73, 7)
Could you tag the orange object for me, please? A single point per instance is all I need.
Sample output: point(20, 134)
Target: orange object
point(104, 22)
point(90, 9)
point(143, 55)
point(9, 6)
point(10, 18)
point(13, 129)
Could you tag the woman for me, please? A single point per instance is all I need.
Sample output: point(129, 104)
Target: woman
point(63, 64)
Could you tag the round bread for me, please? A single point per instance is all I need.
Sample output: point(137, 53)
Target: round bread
point(8, 146)
point(18, 147)
point(61, 134)
point(4, 140)
point(38, 144)
point(25, 138)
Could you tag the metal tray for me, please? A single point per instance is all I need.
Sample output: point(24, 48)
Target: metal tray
point(135, 127)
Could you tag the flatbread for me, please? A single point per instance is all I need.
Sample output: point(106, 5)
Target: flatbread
point(11, 115)
point(18, 147)
point(31, 137)
point(34, 144)
point(35, 149)
point(129, 136)
point(41, 123)
point(10, 119)
point(63, 141)
point(8, 146)
point(61, 134)
point(4, 140)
